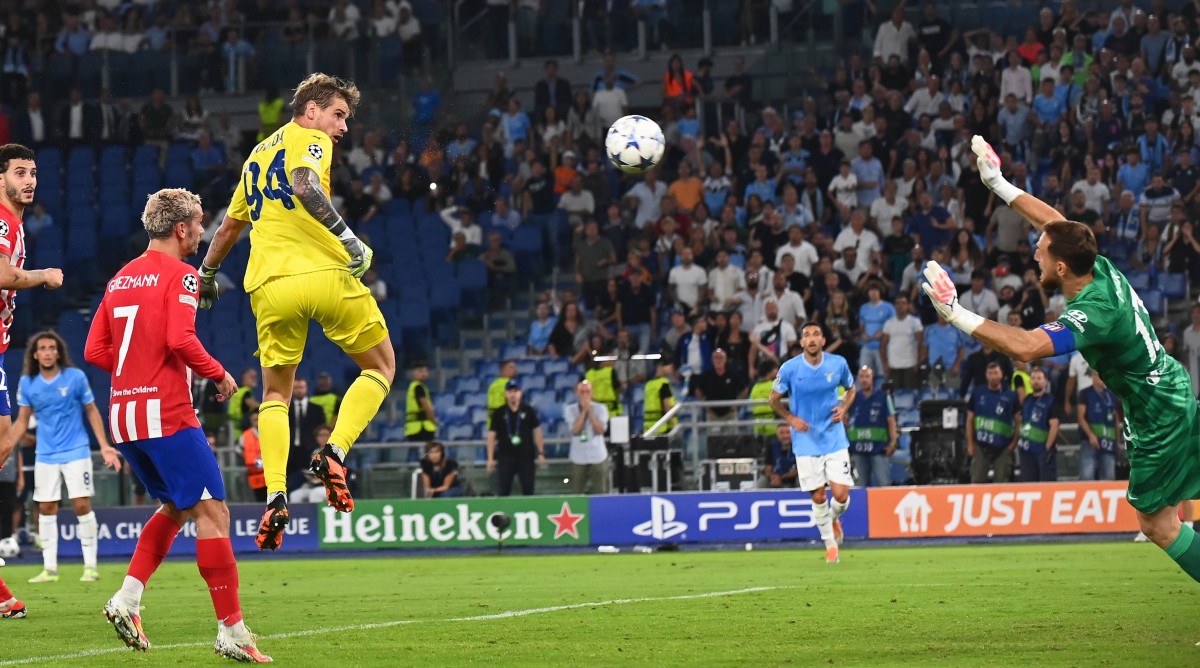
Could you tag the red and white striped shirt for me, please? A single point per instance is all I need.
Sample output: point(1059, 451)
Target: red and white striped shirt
point(12, 244)
point(144, 334)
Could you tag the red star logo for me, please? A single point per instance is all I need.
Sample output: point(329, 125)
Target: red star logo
point(565, 522)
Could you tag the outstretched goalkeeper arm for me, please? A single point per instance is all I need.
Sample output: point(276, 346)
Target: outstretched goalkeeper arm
point(1022, 344)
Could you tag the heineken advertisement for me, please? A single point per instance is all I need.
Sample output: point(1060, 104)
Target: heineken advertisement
point(556, 520)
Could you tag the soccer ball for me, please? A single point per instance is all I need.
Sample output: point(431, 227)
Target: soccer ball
point(9, 549)
point(634, 144)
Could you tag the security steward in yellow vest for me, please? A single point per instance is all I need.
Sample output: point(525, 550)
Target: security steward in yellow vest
point(420, 420)
point(495, 394)
point(660, 397)
point(605, 386)
point(762, 391)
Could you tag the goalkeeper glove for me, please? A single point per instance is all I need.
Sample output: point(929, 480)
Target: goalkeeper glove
point(944, 296)
point(208, 285)
point(360, 256)
point(989, 170)
point(360, 253)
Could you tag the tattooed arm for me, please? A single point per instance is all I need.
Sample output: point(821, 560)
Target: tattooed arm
point(306, 186)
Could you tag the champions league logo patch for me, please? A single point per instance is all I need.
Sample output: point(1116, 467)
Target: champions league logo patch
point(316, 151)
point(191, 284)
point(3, 229)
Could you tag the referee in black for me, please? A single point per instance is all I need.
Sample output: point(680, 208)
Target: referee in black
point(514, 442)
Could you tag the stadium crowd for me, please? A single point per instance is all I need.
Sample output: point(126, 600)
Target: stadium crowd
point(827, 209)
point(761, 216)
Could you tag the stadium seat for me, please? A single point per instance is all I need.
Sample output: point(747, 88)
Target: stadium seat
point(454, 413)
point(178, 175)
point(467, 384)
point(526, 248)
point(553, 366)
point(564, 381)
point(393, 433)
point(443, 402)
point(1155, 301)
point(525, 367)
point(513, 351)
point(81, 157)
point(473, 281)
point(460, 432)
point(179, 153)
point(49, 159)
point(904, 400)
point(533, 381)
point(146, 155)
point(1138, 280)
point(478, 415)
point(1173, 286)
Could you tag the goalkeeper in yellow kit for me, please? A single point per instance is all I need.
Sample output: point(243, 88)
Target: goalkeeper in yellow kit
point(305, 264)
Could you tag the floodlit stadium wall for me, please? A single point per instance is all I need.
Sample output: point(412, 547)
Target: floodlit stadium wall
point(650, 519)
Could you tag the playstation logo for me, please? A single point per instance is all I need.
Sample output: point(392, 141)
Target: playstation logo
point(662, 524)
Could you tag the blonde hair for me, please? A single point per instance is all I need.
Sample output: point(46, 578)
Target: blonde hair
point(167, 208)
point(323, 89)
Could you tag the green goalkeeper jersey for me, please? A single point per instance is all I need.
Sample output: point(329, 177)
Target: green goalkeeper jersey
point(1108, 324)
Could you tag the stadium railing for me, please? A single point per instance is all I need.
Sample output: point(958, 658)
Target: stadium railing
point(391, 470)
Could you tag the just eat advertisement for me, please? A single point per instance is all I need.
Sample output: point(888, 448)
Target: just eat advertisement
point(985, 510)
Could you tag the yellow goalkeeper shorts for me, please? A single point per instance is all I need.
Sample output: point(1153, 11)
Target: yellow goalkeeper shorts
point(340, 303)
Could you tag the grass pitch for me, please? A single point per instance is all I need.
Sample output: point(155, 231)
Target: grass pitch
point(1103, 604)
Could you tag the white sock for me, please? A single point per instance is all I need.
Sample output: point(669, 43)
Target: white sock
point(48, 532)
point(337, 450)
point(5, 605)
point(275, 495)
point(824, 520)
point(87, 532)
point(131, 592)
point(838, 507)
point(237, 630)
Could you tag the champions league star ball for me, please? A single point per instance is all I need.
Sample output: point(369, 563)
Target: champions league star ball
point(634, 144)
point(9, 549)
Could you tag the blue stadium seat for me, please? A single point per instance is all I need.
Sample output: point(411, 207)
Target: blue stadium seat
point(393, 433)
point(1173, 286)
point(81, 157)
point(525, 367)
point(1155, 301)
point(473, 281)
point(49, 159)
point(473, 398)
point(113, 158)
point(454, 413)
point(179, 153)
point(564, 381)
point(467, 384)
point(1138, 280)
point(533, 381)
point(146, 155)
point(460, 432)
point(904, 400)
point(443, 401)
point(513, 351)
point(526, 248)
point(478, 415)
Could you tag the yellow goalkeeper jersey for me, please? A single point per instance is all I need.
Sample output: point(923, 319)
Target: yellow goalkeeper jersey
point(285, 240)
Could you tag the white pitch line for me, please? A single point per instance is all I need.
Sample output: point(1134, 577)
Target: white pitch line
point(509, 614)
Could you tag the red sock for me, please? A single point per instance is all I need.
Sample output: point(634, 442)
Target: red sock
point(152, 547)
point(5, 594)
point(214, 557)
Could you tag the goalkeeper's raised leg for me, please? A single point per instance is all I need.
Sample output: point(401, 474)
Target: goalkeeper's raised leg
point(305, 264)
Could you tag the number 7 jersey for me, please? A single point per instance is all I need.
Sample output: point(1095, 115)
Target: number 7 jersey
point(285, 240)
point(1114, 333)
point(144, 334)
